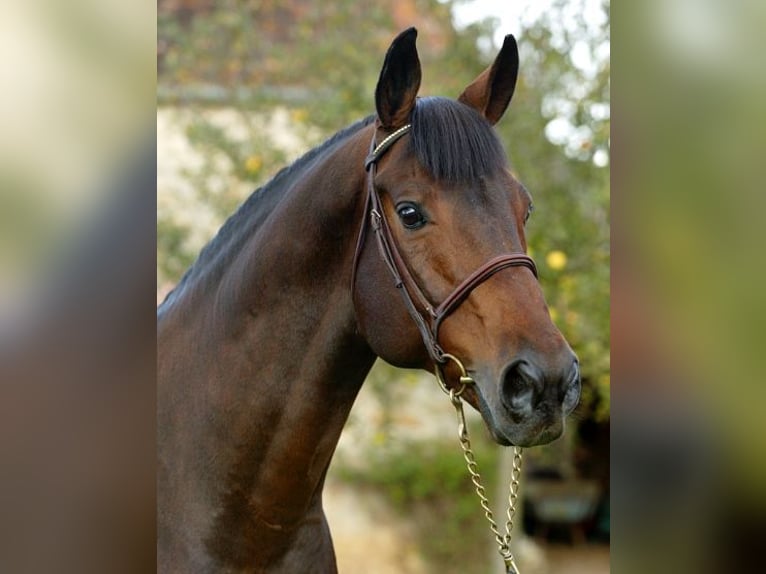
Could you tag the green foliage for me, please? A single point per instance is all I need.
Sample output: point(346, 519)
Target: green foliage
point(413, 472)
point(171, 243)
point(428, 483)
point(229, 162)
point(323, 56)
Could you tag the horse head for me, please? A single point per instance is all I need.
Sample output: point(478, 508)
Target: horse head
point(444, 203)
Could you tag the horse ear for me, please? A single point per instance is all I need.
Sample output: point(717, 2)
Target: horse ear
point(399, 81)
point(491, 92)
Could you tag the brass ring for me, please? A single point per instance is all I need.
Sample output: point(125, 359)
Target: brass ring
point(464, 379)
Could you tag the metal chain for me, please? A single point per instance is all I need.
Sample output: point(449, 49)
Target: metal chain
point(503, 540)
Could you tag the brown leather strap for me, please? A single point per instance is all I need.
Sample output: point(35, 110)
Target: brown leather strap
point(428, 324)
point(476, 278)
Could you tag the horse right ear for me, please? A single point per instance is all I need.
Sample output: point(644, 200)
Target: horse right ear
point(399, 81)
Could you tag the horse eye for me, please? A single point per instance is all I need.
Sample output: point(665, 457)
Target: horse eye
point(410, 216)
point(530, 209)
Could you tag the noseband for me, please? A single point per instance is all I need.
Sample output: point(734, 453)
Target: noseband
point(427, 317)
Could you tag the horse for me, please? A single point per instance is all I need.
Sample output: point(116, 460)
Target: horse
point(341, 258)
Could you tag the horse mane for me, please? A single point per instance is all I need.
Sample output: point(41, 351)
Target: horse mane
point(454, 142)
point(260, 203)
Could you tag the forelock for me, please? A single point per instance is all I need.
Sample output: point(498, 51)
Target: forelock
point(454, 142)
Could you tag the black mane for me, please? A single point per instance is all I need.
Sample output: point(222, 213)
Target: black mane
point(453, 142)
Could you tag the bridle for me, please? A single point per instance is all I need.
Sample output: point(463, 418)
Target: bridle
point(429, 317)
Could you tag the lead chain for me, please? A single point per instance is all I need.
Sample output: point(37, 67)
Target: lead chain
point(503, 540)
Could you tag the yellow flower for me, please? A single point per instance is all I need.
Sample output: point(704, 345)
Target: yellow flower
point(556, 260)
point(299, 115)
point(253, 164)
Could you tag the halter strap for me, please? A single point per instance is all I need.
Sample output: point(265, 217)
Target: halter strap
point(428, 324)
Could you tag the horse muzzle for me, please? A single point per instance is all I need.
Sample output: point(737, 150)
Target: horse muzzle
point(532, 399)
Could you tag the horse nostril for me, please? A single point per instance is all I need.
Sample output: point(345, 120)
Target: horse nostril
point(524, 385)
point(570, 388)
point(521, 382)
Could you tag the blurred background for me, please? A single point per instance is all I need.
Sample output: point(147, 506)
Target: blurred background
point(244, 88)
point(77, 286)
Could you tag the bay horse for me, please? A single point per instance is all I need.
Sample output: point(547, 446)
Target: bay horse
point(265, 342)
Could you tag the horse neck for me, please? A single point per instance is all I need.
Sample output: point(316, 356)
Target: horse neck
point(272, 365)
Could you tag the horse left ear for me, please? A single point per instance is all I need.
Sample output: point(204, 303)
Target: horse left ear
point(399, 81)
point(491, 92)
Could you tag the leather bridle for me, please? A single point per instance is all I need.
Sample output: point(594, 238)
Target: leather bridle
point(427, 317)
